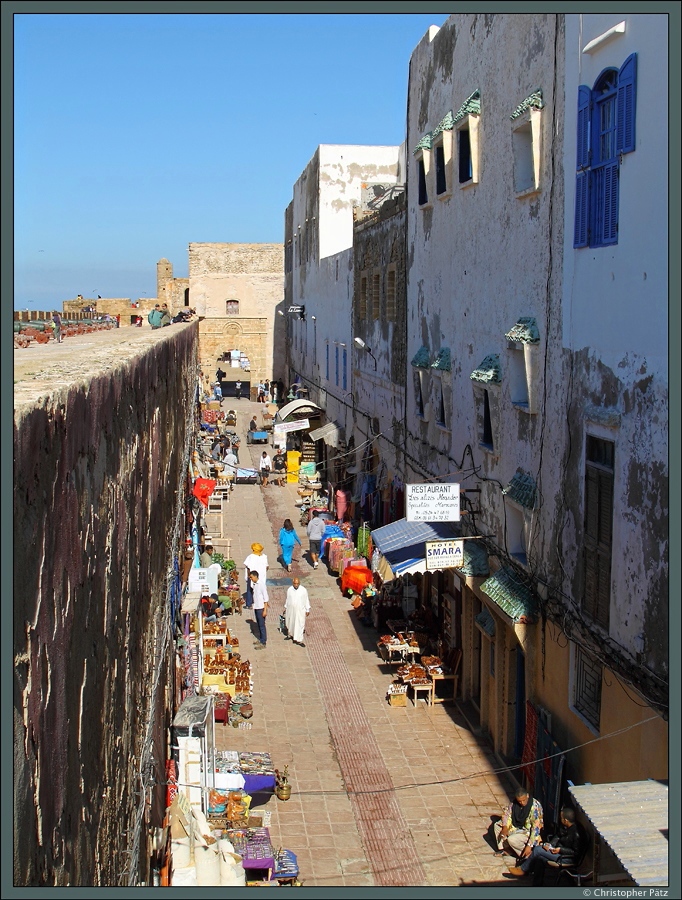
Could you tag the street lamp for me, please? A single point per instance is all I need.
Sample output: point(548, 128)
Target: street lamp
point(363, 346)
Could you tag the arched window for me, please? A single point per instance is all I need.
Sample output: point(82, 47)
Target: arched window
point(605, 131)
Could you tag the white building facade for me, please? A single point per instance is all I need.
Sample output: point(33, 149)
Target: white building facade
point(526, 380)
point(319, 276)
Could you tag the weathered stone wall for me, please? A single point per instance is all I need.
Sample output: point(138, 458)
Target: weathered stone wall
point(236, 259)
point(175, 294)
point(112, 306)
point(251, 278)
point(98, 468)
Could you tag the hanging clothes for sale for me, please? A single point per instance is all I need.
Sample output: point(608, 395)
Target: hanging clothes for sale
point(342, 499)
point(364, 541)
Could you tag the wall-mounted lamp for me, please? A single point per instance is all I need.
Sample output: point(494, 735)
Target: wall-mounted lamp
point(313, 318)
point(279, 312)
point(363, 346)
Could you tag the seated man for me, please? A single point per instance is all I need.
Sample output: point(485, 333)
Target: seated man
point(518, 831)
point(253, 424)
point(562, 848)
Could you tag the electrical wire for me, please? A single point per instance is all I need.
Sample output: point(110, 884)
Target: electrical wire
point(501, 770)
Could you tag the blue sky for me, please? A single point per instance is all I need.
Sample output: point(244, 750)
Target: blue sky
point(138, 134)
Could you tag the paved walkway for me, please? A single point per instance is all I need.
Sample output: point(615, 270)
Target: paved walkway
point(382, 796)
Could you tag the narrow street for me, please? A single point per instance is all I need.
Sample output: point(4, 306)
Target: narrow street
point(382, 796)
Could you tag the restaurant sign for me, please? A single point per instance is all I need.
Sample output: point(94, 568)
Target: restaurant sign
point(432, 502)
point(298, 425)
point(444, 555)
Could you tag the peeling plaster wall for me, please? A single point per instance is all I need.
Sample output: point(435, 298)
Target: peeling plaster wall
point(380, 393)
point(480, 257)
point(615, 331)
point(97, 469)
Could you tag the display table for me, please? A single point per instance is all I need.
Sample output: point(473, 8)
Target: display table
point(256, 769)
point(255, 848)
point(286, 868)
point(426, 689)
point(356, 578)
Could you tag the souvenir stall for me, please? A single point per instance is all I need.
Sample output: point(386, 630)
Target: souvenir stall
point(229, 846)
point(214, 665)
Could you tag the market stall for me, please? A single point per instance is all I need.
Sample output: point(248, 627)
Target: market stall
point(254, 770)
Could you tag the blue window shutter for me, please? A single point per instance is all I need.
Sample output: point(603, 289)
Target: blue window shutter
point(583, 150)
point(627, 96)
point(606, 206)
point(582, 180)
point(580, 232)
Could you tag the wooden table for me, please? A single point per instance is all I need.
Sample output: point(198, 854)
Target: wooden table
point(425, 689)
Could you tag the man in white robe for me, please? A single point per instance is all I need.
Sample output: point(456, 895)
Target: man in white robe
point(296, 611)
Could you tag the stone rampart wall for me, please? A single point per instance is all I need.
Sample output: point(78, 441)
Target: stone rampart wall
point(99, 474)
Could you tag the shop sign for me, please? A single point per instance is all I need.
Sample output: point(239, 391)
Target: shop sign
point(432, 502)
point(298, 425)
point(444, 555)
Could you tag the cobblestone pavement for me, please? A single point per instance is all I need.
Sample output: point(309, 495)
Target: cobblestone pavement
point(382, 796)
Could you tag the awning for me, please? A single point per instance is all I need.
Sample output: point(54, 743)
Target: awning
point(507, 589)
point(300, 407)
point(632, 817)
point(403, 544)
point(485, 622)
point(332, 434)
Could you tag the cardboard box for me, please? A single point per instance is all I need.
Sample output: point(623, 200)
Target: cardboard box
point(397, 699)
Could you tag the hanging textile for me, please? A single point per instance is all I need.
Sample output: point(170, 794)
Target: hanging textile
point(530, 744)
point(330, 531)
point(364, 540)
point(203, 488)
point(337, 549)
point(548, 775)
point(342, 499)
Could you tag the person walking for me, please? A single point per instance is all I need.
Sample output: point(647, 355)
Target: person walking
point(296, 611)
point(238, 389)
point(279, 466)
point(265, 464)
point(315, 530)
point(287, 541)
point(57, 326)
point(260, 608)
point(256, 561)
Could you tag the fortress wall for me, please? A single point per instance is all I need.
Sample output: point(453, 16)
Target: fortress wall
point(98, 466)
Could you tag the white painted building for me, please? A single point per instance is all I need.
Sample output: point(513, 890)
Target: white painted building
point(319, 270)
point(534, 366)
point(615, 340)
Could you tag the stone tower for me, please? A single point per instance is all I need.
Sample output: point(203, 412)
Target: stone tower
point(164, 275)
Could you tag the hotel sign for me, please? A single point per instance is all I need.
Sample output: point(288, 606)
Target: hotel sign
point(444, 555)
point(432, 502)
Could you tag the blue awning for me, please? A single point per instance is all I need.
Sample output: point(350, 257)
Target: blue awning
point(403, 543)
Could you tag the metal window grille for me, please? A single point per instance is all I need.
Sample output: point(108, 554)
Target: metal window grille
point(588, 677)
